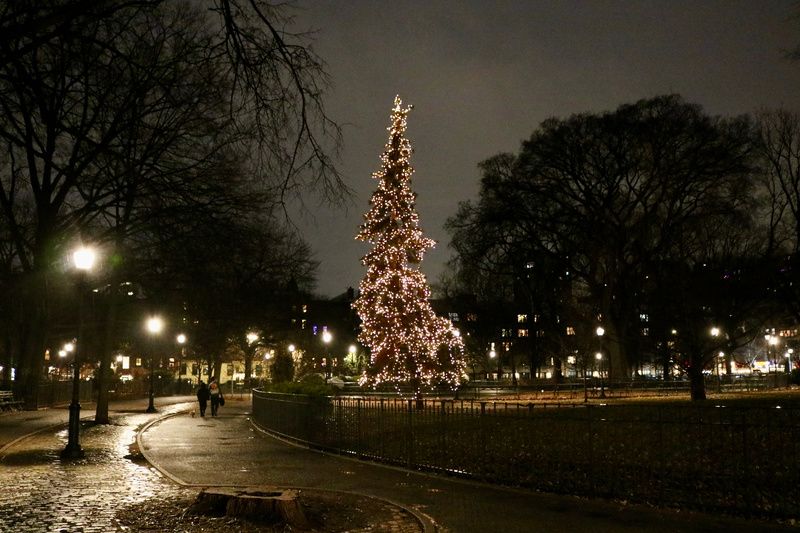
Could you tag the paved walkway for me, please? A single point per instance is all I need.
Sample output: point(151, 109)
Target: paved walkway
point(39, 492)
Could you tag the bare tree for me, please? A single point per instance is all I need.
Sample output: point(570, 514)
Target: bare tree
point(109, 111)
point(607, 196)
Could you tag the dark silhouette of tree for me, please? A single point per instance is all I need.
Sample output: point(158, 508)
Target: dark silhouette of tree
point(608, 196)
point(113, 115)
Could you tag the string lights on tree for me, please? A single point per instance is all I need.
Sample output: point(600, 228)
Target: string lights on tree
point(409, 344)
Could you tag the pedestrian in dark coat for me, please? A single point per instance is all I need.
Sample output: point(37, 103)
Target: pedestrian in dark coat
point(202, 396)
point(216, 395)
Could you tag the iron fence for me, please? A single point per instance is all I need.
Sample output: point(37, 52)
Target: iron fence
point(714, 458)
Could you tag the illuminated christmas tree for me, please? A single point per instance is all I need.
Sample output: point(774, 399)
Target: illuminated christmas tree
point(409, 344)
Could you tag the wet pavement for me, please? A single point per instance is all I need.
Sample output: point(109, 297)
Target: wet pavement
point(41, 493)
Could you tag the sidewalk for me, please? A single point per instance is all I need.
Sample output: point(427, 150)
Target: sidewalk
point(227, 450)
point(39, 492)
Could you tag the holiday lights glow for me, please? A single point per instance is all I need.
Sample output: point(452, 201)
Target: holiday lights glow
point(409, 344)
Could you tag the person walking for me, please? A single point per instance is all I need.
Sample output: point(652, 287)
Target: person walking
point(203, 395)
point(216, 397)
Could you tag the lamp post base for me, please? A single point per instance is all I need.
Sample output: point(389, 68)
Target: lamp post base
point(151, 408)
point(73, 449)
point(72, 452)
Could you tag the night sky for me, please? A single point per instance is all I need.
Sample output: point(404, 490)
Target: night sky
point(482, 75)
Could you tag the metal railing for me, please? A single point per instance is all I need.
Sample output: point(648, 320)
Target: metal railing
point(736, 459)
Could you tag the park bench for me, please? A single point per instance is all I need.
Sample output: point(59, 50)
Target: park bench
point(7, 401)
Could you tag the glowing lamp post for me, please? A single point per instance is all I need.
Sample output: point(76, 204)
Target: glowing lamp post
point(181, 340)
point(327, 338)
point(493, 355)
point(83, 259)
point(351, 351)
point(154, 326)
point(772, 341)
point(599, 356)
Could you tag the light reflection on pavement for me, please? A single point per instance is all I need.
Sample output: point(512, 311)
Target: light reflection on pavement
point(40, 492)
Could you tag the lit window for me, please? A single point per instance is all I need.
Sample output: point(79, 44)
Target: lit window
point(645, 332)
point(644, 317)
point(540, 333)
point(506, 346)
point(536, 318)
point(570, 330)
point(305, 308)
point(472, 317)
point(453, 317)
point(138, 361)
point(303, 324)
point(505, 332)
point(521, 319)
point(522, 333)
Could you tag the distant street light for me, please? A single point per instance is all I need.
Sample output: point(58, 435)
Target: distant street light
point(252, 337)
point(351, 351)
point(154, 324)
point(772, 341)
point(83, 259)
point(599, 357)
point(181, 340)
point(715, 332)
point(326, 338)
point(600, 331)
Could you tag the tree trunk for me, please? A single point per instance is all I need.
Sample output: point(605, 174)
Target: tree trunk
point(697, 384)
point(32, 342)
point(248, 365)
point(104, 372)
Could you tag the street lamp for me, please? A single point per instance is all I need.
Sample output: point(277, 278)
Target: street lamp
point(154, 326)
point(493, 355)
point(83, 258)
point(351, 350)
point(599, 357)
point(788, 354)
point(181, 340)
point(250, 354)
point(772, 341)
point(600, 331)
point(326, 338)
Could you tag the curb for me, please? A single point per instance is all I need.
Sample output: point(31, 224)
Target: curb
point(4, 449)
point(428, 525)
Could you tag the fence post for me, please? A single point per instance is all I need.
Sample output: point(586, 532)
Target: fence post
point(590, 446)
point(360, 448)
point(482, 429)
point(410, 432)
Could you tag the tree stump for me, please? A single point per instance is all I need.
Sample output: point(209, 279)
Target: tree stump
point(266, 505)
